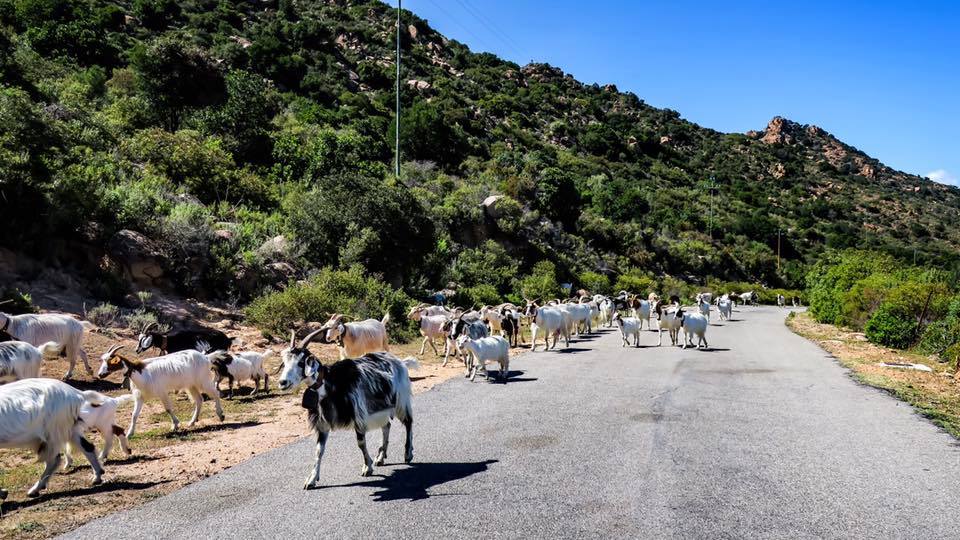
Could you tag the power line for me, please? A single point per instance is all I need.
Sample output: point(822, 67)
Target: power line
point(491, 27)
point(457, 22)
point(397, 148)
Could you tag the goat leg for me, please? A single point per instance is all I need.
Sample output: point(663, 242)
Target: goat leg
point(89, 452)
point(367, 468)
point(315, 475)
point(52, 462)
point(382, 453)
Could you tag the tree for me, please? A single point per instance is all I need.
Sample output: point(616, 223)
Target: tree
point(425, 135)
point(542, 282)
point(557, 197)
point(175, 76)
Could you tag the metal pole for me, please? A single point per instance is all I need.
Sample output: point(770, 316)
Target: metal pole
point(778, 250)
point(396, 169)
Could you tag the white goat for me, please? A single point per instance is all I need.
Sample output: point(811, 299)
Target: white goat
point(356, 339)
point(629, 326)
point(553, 322)
point(21, 360)
point(39, 329)
point(670, 321)
point(704, 305)
point(101, 415)
point(725, 308)
point(607, 310)
point(487, 349)
point(582, 314)
point(642, 313)
point(694, 324)
point(431, 327)
point(42, 415)
point(240, 367)
point(492, 316)
point(157, 377)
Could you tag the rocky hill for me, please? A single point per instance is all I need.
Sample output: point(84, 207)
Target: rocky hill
point(219, 147)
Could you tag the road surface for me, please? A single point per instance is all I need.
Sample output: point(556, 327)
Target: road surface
point(764, 436)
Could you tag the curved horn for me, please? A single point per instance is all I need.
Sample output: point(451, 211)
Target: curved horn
point(113, 350)
point(306, 341)
point(149, 327)
point(293, 338)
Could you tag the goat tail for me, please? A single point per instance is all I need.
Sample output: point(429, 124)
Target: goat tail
point(50, 349)
point(411, 363)
point(126, 398)
point(385, 319)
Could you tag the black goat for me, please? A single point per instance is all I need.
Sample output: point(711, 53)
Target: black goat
point(510, 324)
point(201, 339)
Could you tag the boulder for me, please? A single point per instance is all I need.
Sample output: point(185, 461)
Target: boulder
point(274, 249)
point(138, 257)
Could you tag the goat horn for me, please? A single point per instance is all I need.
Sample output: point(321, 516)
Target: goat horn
point(113, 350)
point(293, 338)
point(306, 341)
point(148, 327)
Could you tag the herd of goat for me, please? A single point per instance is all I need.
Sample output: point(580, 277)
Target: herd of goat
point(364, 391)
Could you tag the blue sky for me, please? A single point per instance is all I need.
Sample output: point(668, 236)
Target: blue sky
point(881, 76)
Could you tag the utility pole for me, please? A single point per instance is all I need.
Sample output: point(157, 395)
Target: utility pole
point(778, 249)
point(711, 186)
point(396, 169)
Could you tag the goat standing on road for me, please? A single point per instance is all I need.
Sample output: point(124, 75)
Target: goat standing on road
point(360, 394)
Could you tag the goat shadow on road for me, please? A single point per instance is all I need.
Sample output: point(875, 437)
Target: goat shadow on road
point(512, 377)
point(107, 487)
point(414, 481)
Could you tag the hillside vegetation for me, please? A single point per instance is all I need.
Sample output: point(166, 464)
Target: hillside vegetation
point(222, 148)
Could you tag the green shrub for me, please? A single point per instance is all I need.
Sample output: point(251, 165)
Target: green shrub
point(542, 282)
point(888, 326)
point(104, 315)
point(489, 264)
point(139, 319)
point(479, 295)
point(635, 281)
point(595, 283)
point(16, 302)
point(350, 292)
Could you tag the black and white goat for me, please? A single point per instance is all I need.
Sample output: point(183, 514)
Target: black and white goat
point(629, 327)
point(39, 329)
point(43, 415)
point(240, 367)
point(455, 328)
point(510, 324)
point(199, 339)
point(361, 394)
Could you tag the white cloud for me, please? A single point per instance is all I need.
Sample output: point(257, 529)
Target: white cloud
point(943, 176)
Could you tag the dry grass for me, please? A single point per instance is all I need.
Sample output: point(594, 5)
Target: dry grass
point(163, 461)
point(935, 395)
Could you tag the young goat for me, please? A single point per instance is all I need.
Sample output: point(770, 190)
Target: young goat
point(360, 394)
point(240, 367)
point(21, 360)
point(642, 313)
point(42, 415)
point(629, 326)
point(483, 350)
point(670, 319)
point(201, 339)
point(100, 415)
point(357, 338)
point(725, 308)
point(39, 329)
point(460, 327)
point(157, 377)
point(510, 323)
point(694, 324)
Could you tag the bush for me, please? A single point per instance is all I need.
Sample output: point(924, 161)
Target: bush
point(16, 302)
point(594, 282)
point(350, 292)
point(890, 328)
point(488, 264)
point(139, 319)
point(104, 315)
point(480, 295)
point(634, 281)
point(542, 282)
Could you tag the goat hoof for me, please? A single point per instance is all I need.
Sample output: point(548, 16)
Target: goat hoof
point(380, 461)
point(97, 481)
point(33, 493)
point(310, 484)
point(221, 417)
point(366, 470)
point(3, 494)
point(408, 458)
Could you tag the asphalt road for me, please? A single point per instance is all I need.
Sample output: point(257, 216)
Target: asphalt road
point(764, 436)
